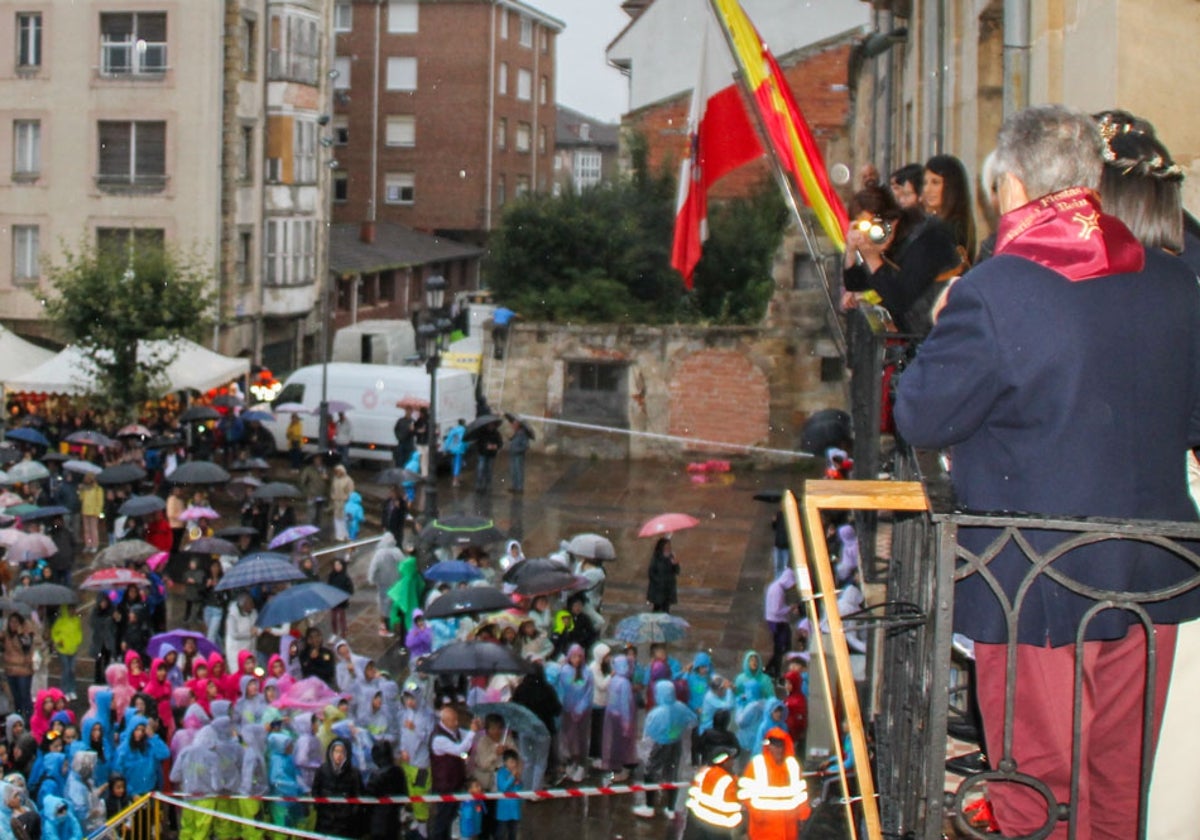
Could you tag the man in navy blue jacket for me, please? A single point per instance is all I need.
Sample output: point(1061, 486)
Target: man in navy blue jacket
point(1064, 377)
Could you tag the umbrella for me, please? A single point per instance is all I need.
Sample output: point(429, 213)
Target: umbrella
point(551, 580)
point(518, 718)
point(228, 401)
point(300, 601)
point(291, 535)
point(9, 454)
point(46, 594)
point(277, 490)
point(236, 531)
point(310, 694)
point(7, 605)
point(652, 628)
point(452, 571)
point(24, 472)
point(9, 535)
point(291, 408)
point(534, 565)
point(512, 418)
point(258, 416)
point(195, 513)
point(198, 413)
point(56, 457)
point(473, 659)
point(120, 474)
point(159, 441)
point(106, 579)
point(210, 545)
point(4, 479)
point(155, 562)
point(826, 428)
point(198, 472)
point(134, 430)
point(82, 467)
point(592, 546)
point(87, 437)
point(141, 505)
point(20, 509)
point(9, 498)
point(175, 639)
point(468, 601)
point(249, 463)
point(257, 568)
point(47, 512)
point(26, 548)
point(481, 422)
point(396, 475)
point(338, 406)
point(125, 551)
point(27, 435)
point(242, 486)
point(461, 530)
point(773, 497)
point(667, 523)
point(501, 621)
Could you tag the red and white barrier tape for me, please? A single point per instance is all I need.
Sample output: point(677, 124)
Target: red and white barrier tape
point(228, 817)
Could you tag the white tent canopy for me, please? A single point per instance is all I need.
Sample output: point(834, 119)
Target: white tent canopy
point(194, 368)
point(18, 355)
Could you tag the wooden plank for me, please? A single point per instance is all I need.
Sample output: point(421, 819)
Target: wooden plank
point(865, 495)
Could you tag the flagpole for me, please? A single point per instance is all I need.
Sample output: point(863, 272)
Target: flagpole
point(785, 184)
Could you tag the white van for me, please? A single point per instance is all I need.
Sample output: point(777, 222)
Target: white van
point(372, 391)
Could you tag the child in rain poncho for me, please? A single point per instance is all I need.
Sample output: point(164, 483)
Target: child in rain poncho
point(251, 707)
point(193, 774)
point(254, 780)
point(54, 777)
point(664, 727)
point(86, 803)
point(194, 719)
point(717, 697)
point(369, 682)
point(578, 690)
point(752, 673)
point(618, 741)
point(353, 510)
point(308, 754)
point(416, 723)
point(140, 756)
point(774, 716)
point(750, 711)
point(377, 720)
point(58, 823)
point(419, 639)
point(284, 780)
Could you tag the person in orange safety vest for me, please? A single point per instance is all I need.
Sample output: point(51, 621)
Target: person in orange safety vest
point(773, 790)
point(714, 811)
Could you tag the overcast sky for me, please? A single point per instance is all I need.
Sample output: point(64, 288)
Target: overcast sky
point(585, 81)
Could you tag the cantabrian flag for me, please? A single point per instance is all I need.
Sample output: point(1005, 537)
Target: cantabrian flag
point(721, 140)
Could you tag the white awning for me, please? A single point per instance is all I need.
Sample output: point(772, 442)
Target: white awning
point(18, 356)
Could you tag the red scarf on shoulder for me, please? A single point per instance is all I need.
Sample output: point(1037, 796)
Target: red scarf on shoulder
point(1067, 232)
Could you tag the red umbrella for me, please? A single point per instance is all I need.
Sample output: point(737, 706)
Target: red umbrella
point(310, 694)
point(667, 523)
point(106, 579)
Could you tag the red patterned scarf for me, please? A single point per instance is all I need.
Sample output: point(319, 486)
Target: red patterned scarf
point(1066, 232)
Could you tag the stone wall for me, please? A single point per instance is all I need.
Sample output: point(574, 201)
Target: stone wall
point(730, 386)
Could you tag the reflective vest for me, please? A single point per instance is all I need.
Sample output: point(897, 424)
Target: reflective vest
point(773, 787)
point(712, 798)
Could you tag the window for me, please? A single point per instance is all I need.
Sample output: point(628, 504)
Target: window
point(402, 73)
point(121, 242)
point(341, 186)
point(27, 148)
point(26, 254)
point(295, 48)
point(290, 257)
point(526, 32)
point(502, 133)
point(586, 168)
point(502, 79)
point(524, 136)
point(501, 190)
point(524, 85)
point(341, 70)
point(245, 257)
point(503, 23)
point(245, 159)
point(133, 154)
point(343, 16)
point(341, 131)
point(544, 90)
point(248, 38)
point(541, 139)
point(29, 40)
point(402, 16)
point(400, 188)
point(522, 185)
point(401, 131)
point(305, 150)
point(133, 43)
point(596, 390)
point(545, 39)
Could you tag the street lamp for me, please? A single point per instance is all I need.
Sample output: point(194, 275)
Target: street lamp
point(434, 328)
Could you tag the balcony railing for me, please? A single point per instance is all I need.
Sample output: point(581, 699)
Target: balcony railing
point(133, 59)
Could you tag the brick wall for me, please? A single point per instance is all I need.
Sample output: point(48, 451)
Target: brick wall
point(719, 395)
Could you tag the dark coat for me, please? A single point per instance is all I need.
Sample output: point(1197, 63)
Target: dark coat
point(338, 819)
point(537, 695)
point(661, 589)
point(389, 780)
point(1064, 398)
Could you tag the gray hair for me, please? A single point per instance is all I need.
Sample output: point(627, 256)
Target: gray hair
point(1050, 148)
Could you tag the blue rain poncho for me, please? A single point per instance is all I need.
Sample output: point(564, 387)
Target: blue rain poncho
point(576, 688)
point(86, 804)
point(749, 716)
point(54, 777)
point(667, 721)
point(6, 813)
point(770, 707)
point(103, 699)
point(697, 681)
point(715, 700)
point(753, 676)
point(58, 823)
point(140, 763)
point(282, 775)
point(353, 509)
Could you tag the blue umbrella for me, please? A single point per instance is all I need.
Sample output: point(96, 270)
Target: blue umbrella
point(47, 512)
point(652, 628)
point(258, 568)
point(175, 638)
point(27, 435)
point(452, 571)
point(297, 602)
point(260, 416)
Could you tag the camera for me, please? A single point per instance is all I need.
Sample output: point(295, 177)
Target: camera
point(877, 229)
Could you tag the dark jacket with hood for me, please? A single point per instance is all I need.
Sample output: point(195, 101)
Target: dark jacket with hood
point(338, 818)
point(389, 780)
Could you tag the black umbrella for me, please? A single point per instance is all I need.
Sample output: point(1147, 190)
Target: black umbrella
point(162, 441)
point(473, 659)
point(236, 531)
point(533, 566)
point(469, 601)
point(46, 594)
point(277, 490)
point(250, 464)
point(141, 505)
point(9, 606)
point(512, 418)
point(828, 427)
point(210, 545)
point(198, 472)
point(551, 580)
point(396, 475)
point(228, 401)
point(55, 456)
point(120, 474)
point(461, 530)
point(9, 455)
point(87, 437)
point(47, 512)
point(198, 413)
point(480, 423)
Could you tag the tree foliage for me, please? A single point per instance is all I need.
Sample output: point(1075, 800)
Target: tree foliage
point(602, 255)
point(108, 301)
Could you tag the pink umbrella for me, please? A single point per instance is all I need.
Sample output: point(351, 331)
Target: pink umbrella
point(106, 579)
point(134, 430)
point(155, 562)
point(310, 694)
point(10, 499)
point(667, 523)
point(199, 512)
point(26, 548)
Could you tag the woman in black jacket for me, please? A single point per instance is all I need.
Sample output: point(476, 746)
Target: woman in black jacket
point(664, 569)
point(388, 780)
point(337, 777)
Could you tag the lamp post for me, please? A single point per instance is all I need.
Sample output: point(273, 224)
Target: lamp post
point(432, 331)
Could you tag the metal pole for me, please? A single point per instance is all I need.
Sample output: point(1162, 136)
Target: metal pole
point(431, 505)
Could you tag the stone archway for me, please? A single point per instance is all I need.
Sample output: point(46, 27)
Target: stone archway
point(719, 395)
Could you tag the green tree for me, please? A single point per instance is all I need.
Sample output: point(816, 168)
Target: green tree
point(109, 300)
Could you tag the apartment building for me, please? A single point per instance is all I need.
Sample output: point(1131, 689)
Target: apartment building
point(443, 112)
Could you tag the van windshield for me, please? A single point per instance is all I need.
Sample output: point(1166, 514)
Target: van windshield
point(291, 393)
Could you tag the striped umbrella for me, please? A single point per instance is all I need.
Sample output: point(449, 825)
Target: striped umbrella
point(259, 568)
